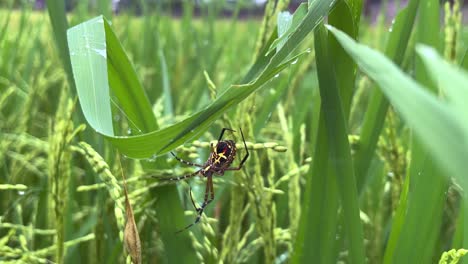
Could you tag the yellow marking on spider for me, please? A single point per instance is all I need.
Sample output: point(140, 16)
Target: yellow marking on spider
point(219, 157)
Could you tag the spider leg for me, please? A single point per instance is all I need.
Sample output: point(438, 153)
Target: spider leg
point(179, 178)
point(246, 155)
point(206, 201)
point(222, 133)
point(246, 149)
point(193, 202)
point(186, 162)
point(209, 189)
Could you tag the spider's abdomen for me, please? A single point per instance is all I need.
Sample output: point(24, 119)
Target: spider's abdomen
point(223, 155)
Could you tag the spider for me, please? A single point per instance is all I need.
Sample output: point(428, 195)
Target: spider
point(221, 157)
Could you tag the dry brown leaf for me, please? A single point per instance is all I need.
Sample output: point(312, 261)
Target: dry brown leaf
point(131, 236)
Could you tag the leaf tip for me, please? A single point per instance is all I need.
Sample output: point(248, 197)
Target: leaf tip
point(329, 27)
point(425, 50)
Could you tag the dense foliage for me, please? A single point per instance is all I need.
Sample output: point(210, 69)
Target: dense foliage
point(356, 154)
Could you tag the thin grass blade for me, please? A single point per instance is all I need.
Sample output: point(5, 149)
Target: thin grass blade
point(58, 19)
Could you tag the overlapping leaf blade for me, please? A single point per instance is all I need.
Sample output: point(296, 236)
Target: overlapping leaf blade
point(378, 105)
point(428, 185)
point(327, 183)
point(431, 118)
point(452, 80)
point(438, 124)
point(88, 55)
point(158, 142)
point(338, 148)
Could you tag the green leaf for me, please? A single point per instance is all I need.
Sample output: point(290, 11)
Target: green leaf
point(123, 79)
point(100, 64)
point(428, 185)
point(355, 7)
point(287, 23)
point(378, 105)
point(89, 66)
point(316, 236)
point(464, 62)
point(326, 183)
point(430, 118)
point(58, 19)
point(341, 17)
point(88, 52)
point(168, 108)
point(101, 68)
point(339, 150)
point(425, 201)
point(452, 80)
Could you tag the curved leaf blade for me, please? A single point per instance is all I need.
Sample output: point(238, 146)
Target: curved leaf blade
point(431, 118)
point(94, 90)
point(88, 55)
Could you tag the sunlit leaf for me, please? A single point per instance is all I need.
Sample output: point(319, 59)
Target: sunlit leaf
point(432, 119)
point(94, 44)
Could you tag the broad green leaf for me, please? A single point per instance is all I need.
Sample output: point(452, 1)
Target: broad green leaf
point(88, 52)
point(339, 150)
point(99, 63)
point(355, 7)
point(102, 69)
point(452, 80)
point(426, 181)
point(316, 236)
point(326, 183)
point(89, 55)
point(162, 141)
point(426, 200)
point(123, 79)
point(430, 118)
point(378, 105)
point(342, 17)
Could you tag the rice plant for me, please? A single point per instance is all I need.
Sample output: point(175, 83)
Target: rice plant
point(355, 130)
